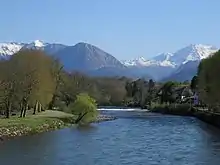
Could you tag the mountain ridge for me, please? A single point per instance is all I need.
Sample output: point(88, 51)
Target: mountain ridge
point(173, 62)
point(95, 61)
point(192, 52)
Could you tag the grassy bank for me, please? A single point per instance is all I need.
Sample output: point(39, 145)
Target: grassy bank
point(42, 122)
point(173, 109)
point(32, 124)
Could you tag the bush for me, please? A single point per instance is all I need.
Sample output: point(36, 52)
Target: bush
point(85, 108)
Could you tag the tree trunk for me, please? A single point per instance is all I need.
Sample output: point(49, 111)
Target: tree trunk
point(25, 110)
point(8, 110)
point(22, 110)
point(35, 108)
point(39, 107)
point(80, 118)
point(51, 105)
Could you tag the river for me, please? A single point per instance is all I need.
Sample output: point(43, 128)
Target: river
point(137, 138)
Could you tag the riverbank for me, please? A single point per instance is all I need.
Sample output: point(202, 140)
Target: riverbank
point(42, 122)
point(172, 109)
point(186, 110)
point(33, 124)
point(208, 117)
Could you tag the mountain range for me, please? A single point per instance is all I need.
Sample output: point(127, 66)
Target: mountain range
point(179, 66)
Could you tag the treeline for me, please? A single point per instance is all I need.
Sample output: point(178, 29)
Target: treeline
point(145, 93)
point(32, 80)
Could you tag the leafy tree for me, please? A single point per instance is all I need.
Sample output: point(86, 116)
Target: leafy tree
point(151, 92)
point(35, 80)
point(113, 90)
point(85, 108)
point(209, 81)
point(58, 75)
point(167, 93)
point(73, 84)
point(9, 86)
point(141, 91)
point(194, 83)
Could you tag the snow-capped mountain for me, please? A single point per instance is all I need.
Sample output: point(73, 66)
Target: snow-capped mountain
point(188, 59)
point(37, 44)
point(193, 52)
point(8, 49)
point(166, 64)
point(49, 48)
point(180, 65)
point(81, 57)
point(142, 62)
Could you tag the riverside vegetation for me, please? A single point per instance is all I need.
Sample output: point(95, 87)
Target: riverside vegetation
point(179, 99)
point(32, 82)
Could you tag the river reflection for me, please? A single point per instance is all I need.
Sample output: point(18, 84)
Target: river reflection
point(152, 139)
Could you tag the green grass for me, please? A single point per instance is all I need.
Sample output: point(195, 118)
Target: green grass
point(33, 124)
point(36, 120)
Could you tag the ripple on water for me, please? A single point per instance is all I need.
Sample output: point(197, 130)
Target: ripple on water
point(154, 139)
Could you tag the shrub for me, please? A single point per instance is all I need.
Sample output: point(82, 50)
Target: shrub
point(85, 108)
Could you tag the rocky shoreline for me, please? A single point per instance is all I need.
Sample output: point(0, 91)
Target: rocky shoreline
point(11, 132)
point(14, 131)
point(102, 118)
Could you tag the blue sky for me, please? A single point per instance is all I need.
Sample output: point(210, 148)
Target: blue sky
point(124, 28)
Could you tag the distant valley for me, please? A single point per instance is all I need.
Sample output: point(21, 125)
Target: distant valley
point(89, 59)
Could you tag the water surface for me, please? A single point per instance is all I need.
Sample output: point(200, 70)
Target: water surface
point(134, 138)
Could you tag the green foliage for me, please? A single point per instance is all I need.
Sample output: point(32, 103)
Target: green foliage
point(167, 92)
point(107, 91)
point(142, 92)
point(174, 108)
point(85, 108)
point(29, 79)
point(209, 81)
point(194, 83)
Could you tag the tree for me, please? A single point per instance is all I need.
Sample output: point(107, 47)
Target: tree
point(194, 83)
point(209, 81)
point(58, 75)
point(151, 92)
point(85, 108)
point(9, 86)
point(167, 93)
point(35, 79)
point(139, 91)
point(73, 84)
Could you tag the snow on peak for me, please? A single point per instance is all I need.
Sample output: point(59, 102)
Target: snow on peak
point(193, 52)
point(141, 62)
point(7, 49)
point(38, 43)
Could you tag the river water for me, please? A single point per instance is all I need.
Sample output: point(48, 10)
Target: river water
point(137, 138)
